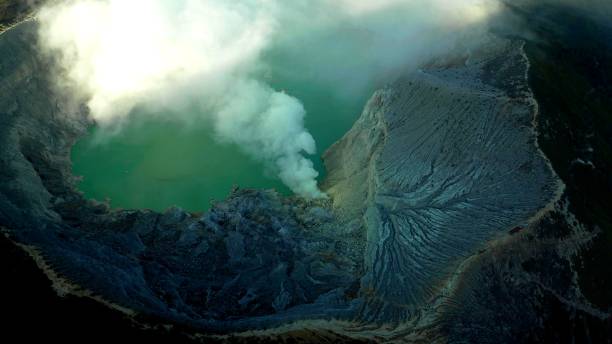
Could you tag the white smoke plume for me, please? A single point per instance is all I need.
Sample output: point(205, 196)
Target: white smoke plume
point(120, 54)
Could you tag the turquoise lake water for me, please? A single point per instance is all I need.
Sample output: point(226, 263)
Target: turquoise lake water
point(154, 163)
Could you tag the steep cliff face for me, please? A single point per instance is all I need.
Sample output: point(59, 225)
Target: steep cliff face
point(439, 164)
point(556, 275)
point(37, 130)
point(438, 169)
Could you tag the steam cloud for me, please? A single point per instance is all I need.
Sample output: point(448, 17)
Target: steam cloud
point(120, 54)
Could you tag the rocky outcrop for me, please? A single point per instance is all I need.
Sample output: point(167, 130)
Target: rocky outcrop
point(439, 168)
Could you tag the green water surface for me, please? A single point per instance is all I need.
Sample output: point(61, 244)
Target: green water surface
point(155, 163)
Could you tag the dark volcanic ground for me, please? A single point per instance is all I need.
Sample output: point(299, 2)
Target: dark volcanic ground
point(572, 80)
point(509, 295)
point(13, 11)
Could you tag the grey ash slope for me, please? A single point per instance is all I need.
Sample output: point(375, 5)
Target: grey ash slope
point(439, 164)
point(451, 161)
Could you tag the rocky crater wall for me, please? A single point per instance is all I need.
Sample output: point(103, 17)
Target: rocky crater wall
point(439, 164)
